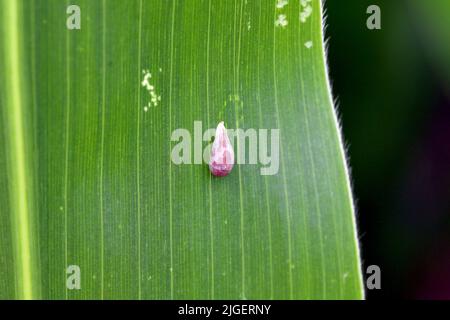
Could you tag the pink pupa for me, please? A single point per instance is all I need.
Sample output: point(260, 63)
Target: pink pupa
point(222, 154)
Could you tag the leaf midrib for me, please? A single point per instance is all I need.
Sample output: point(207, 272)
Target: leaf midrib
point(19, 177)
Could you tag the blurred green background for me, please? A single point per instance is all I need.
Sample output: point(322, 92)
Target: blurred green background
point(393, 90)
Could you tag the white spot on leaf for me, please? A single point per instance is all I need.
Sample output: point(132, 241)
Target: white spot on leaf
point(281, 21)
point(306, 10)
point(281, 3)
point(154, 98)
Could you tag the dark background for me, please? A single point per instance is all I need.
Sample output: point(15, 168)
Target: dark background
point(393, 91)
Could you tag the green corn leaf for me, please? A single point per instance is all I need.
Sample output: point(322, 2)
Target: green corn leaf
point(86, 176)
